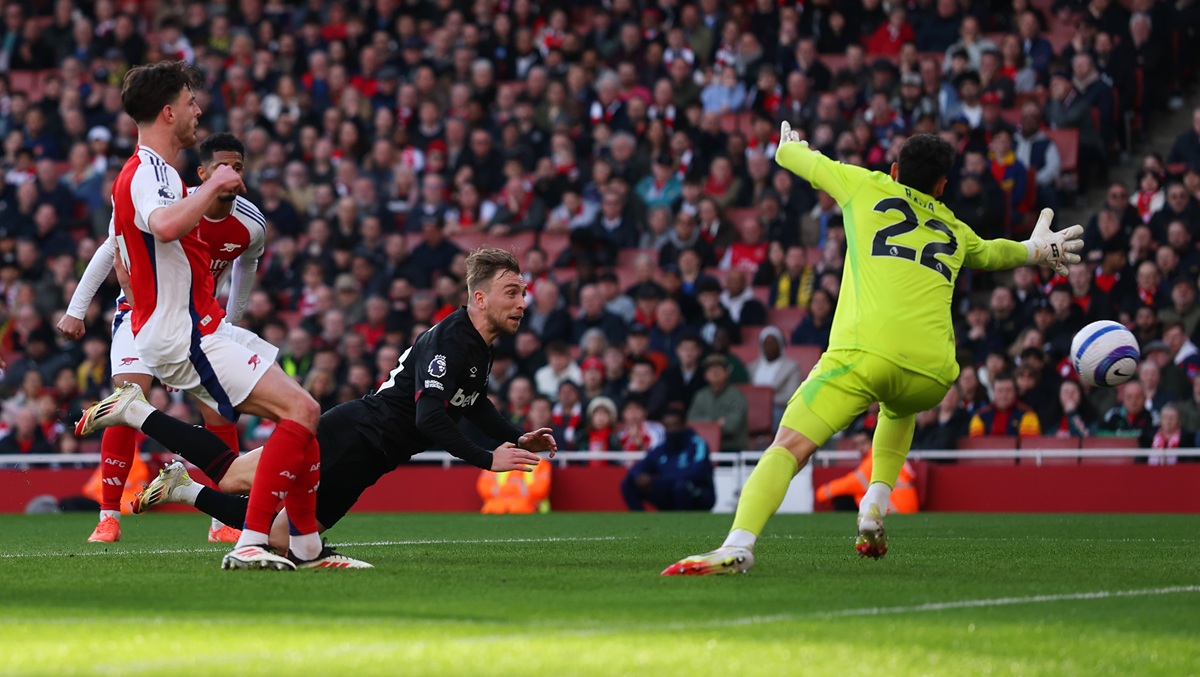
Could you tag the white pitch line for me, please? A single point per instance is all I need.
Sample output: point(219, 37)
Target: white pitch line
point(217, 549)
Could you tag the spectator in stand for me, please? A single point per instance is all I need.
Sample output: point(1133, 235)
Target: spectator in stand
point(1189, 411)
point(663, 187)
point(600, 431)
point(720, 402)
point(637, 433)
point(1186, 149)
point(1178, 206)
point(1005, 416)
point(971, 41)
point(774, 369)
point(1071, 415)
point(1068, 108)
point(1150, 377)
point(1183, 363)
point(547, 318)
point(645, 387)
point(1131, 418)
point(942, 426)
point(684, 377)
point(592, 314)
point(559, 368)
point(737, 298)
point(814, 328)
point(676, 474)
point(25, 435)
point(794, 287)
point(1169, 435)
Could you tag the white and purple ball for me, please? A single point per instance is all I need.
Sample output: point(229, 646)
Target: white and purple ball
point(1105, 353)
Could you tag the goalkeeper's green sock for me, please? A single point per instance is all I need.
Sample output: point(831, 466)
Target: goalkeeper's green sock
point(762, 496)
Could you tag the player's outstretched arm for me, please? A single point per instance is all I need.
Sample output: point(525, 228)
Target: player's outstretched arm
point(1043, 248)
point(838, 179)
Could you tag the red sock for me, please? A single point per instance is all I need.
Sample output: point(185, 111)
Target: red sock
point(229, 435)
point(301, 503)
point(117, 448)
point(282, 456)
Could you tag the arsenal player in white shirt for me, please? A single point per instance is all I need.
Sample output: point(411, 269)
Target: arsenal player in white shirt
point(180, 330)
point(235, 232)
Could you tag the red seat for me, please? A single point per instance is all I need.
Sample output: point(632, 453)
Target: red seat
point(627, 257)
point(1067, 141)
point(760, 421)
point(1055, 443)
point(805, 356)
point(553, 244)
point(1109, 443)
point(750, 337)
point(746, 352)
point(987, 444)
point(709, 431)
point(762, 293)
point(785, 318)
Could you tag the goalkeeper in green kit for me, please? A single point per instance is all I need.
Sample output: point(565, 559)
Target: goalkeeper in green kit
point(892, 339)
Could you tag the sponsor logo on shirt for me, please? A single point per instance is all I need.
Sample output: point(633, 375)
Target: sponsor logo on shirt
point(461, 399)
point(165, 193)
point(434, 384)
point(437, 368)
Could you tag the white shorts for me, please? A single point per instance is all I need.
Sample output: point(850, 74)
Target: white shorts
point(123, 353)
point(222, 369)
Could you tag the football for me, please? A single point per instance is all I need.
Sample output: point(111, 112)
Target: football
point(1105, 353)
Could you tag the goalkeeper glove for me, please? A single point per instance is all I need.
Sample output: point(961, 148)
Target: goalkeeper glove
point(1048, 248)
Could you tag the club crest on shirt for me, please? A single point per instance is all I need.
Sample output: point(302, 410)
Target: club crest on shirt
point(437, 368)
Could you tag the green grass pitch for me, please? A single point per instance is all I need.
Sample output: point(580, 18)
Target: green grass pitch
point(580, 594)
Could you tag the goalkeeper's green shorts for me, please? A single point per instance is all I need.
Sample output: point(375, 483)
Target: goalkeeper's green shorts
point(844, 383)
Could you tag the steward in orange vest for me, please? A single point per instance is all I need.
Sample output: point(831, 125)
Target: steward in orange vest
point(854, 485)
point(515, 492)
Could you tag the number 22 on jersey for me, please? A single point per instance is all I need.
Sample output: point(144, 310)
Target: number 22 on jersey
point(881, 246)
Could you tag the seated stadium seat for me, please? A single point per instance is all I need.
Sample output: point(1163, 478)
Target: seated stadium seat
point(750, 337)
point(553, 244)
point(760, 421)
point(1067, 141)
point(737, 215)
point(785, 318)
point(762, 293)
point(987, 444)
point(1054, 443)
point(834, 62)
point(746, 352)
point(1109, 443)
point(710, 432)
point(805, 356)
point(627, 257)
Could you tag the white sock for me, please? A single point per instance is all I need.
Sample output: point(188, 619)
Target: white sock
point(250, 537)
point(878, 493)
point(115, 514)
point(137, 413)
point(740, 538)
point(185, 494)
point(305, 546)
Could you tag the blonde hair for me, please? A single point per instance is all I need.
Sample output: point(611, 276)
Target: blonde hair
point(484, 263)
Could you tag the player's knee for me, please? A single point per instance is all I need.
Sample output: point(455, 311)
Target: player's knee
point(306, 412)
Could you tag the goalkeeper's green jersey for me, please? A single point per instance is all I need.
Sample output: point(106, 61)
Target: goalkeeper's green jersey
point(903, 253)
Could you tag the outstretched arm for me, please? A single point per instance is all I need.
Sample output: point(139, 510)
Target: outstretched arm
point(1043, 248)
point(838, 179)
point(436, 424)
point(71, 324)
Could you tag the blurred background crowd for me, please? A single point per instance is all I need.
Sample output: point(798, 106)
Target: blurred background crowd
point(624, 150)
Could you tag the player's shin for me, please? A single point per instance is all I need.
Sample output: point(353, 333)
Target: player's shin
point(281, 458)
point(228, 434)
point(301, 503)
point(198, 446)
point(116, 459)
point(889, 448)
point(229, 509)
point(762, 495)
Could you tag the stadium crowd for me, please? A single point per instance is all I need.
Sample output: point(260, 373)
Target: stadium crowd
point(624, 150)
